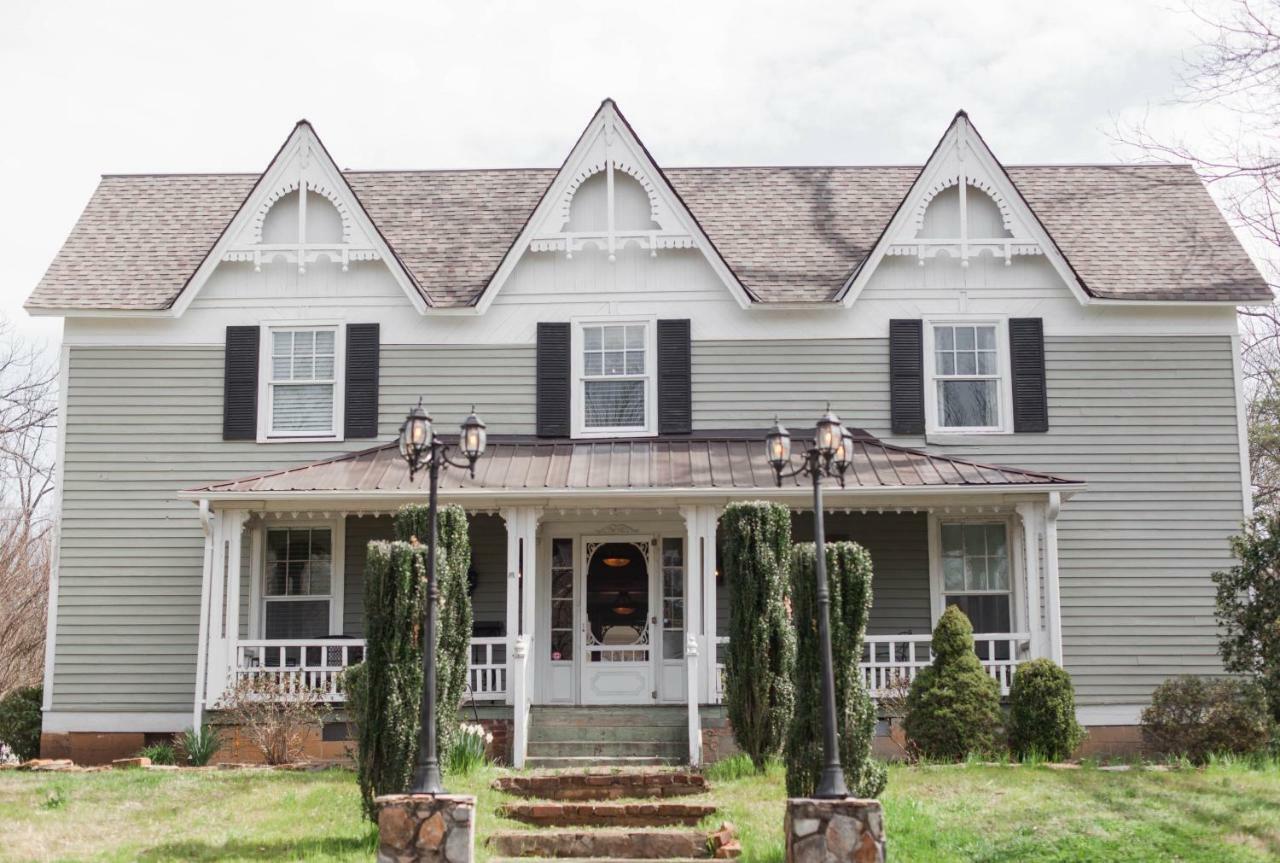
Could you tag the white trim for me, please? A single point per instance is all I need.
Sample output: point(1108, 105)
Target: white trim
point(1242, 427)
point(337, 571)
point(1053, 591)
point(1004, 378)
point(1110, 714)
point(577, 410)
point(55, 558)
point(265, 392)
point(206, 586)
point(65, 721)
point(302, 153)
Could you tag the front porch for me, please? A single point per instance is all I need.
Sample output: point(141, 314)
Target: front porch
point(603, 586)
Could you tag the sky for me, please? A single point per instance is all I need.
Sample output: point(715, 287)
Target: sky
point(88, 88)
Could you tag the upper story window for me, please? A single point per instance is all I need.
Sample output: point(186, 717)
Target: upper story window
point(968, 389)
point(615, 379)
point(302, 383)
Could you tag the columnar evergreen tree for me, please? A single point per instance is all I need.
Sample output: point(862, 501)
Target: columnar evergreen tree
point(761, 652)
point(385, 691)
point(849, 581)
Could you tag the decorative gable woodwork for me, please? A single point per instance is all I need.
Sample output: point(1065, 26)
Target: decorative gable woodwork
point(963, 204)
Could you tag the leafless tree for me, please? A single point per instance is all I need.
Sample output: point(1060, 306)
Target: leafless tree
point(1235, 78)
point(28, 407)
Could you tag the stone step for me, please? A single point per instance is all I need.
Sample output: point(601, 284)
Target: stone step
point(597, 716)
point(613, 844)
point(660, 814)
point(608, 749)
point(583, 859)
point(603, 784)
point(548, 730)
point(578, 762)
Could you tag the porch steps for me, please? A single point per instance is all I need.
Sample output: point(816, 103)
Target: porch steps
point(581, 737)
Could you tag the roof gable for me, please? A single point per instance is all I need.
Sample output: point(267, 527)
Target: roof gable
point(302, 165)
point(609, 149)
point(963, 161)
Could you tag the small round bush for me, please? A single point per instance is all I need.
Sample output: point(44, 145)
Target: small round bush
point(1194, 718)
point(20, 721)
point(1042, 712)
point(953, 708)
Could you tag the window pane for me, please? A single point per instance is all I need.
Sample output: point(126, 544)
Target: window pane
point(952, 539)
point(944, 338)
point(593, 364)
point(275, 580)
point(562, 614)
point(635, 362)
point(988, 614)
point(302, 407)
point(975, 573)
point(967, 404)
point(953, 573)
point(975, 539)
point(324, 368)
point(281, 344)
point(562, 583)
point(561, 553)
point(324, 342)
point(307, 619)
point(947, 363)
point(964, 338)
point(986, 338)
point(614, 404)
point(613, 362)
point(614, 339)
point(966, 364)
point(303, 368)
point(562, 645)
point(673, 644)
point(635, 337)
point(591, 338)
point(987, 363)
point(281, 368)
point(304, 343)
point(998, 573)
point(318, 577)
point(995, 540)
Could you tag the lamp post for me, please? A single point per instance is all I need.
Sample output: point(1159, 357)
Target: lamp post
point(829, 456)
point(419, 446)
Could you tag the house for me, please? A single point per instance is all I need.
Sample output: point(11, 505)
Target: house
point(1039, 365)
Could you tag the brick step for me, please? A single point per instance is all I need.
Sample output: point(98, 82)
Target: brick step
point(597, 716)
point(615, 844)
point(662, 814)
point(636, 784)
point(583, 860)
point(609, 749)
point(579, 762)
point(550, 730)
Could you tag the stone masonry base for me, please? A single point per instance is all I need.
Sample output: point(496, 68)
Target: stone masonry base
point(834, 831)
point(426, 828)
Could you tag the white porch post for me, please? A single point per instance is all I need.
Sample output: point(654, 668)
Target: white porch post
point(1053, 597)
point(691, 687)
point(208, 523)
point(700, 591)
point(1028, 518)
point(522, 556)
point(224, 602)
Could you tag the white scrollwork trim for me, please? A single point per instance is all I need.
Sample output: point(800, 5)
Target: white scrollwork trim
point(322, 189)
point(1006, 212)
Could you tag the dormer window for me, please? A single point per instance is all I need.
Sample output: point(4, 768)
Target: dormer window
point(614, 378)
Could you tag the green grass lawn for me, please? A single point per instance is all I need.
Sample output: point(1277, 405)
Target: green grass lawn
point(1222, 813)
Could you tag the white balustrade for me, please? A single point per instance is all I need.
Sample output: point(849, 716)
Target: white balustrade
point(890, 662)
point(487, 670)
point(314, 665)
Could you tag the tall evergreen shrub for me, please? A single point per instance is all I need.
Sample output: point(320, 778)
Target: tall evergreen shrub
point(385, 691)
point(1042, 711)
point(761, 652)
point(849, 580)
point(953, 708)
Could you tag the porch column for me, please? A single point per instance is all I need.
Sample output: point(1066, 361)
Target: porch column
point(209, 524)
point(522, 556)
point(1053, 598)
point(223, 619)
point(1028, 517)
point(700, 591)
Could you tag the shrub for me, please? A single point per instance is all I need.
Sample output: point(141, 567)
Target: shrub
point(953, 708)
point(1195, 718)
point(1042, 712)
point(385, 693)
point(761, 648)
point(20, 721)
point(198, 746)
point(849, 581)
point(275, 715)
point(159, 753)
point(1248, 607)
point(469, 750)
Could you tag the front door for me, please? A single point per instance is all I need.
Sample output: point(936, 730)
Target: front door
point(619, 619)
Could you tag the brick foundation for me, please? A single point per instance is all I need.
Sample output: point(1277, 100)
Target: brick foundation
point(603, 784)
point(92, 748)
point(503, 730)
point(834, 831)
point(431, 828)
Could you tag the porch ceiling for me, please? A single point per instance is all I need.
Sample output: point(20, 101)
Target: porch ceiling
point(708, 461)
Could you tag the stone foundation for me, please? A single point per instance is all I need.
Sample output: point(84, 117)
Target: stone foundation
point(431, 828)
point(834, 831)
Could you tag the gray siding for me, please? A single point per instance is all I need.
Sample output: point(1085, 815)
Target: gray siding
point(143, 423)
point(1149, 422)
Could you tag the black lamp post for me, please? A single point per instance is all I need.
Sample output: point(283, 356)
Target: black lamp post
point(419, 446)
point(829, 455)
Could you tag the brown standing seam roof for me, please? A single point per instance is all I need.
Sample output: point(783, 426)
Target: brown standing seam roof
point(790, 234)
point(730, 462)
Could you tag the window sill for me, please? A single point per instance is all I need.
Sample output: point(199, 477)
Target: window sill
point(323, 439)
point(960, 438)
point(608, 434)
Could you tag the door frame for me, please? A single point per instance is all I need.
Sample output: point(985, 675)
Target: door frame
point(588, 544)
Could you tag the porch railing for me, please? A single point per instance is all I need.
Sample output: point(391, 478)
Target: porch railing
point(305, 664)
point(317, 665)
point(891, 662)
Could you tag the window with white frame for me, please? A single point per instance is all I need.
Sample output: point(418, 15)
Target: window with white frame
point(297, 582)
point(302, 383)
point(615, 378)
point(967, 384)
point(976, 574)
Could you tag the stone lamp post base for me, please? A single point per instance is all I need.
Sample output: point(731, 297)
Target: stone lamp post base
point(847, 830)
point(426, 828)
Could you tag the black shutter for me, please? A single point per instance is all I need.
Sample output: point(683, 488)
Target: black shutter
point(1026, 366)
point(360, 411)
point(553, 380)
point(675, 379)
point(240, 385)
point(906, 376)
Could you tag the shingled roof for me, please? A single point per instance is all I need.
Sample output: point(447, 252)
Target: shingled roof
point(731, 461)
point(791, 234)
